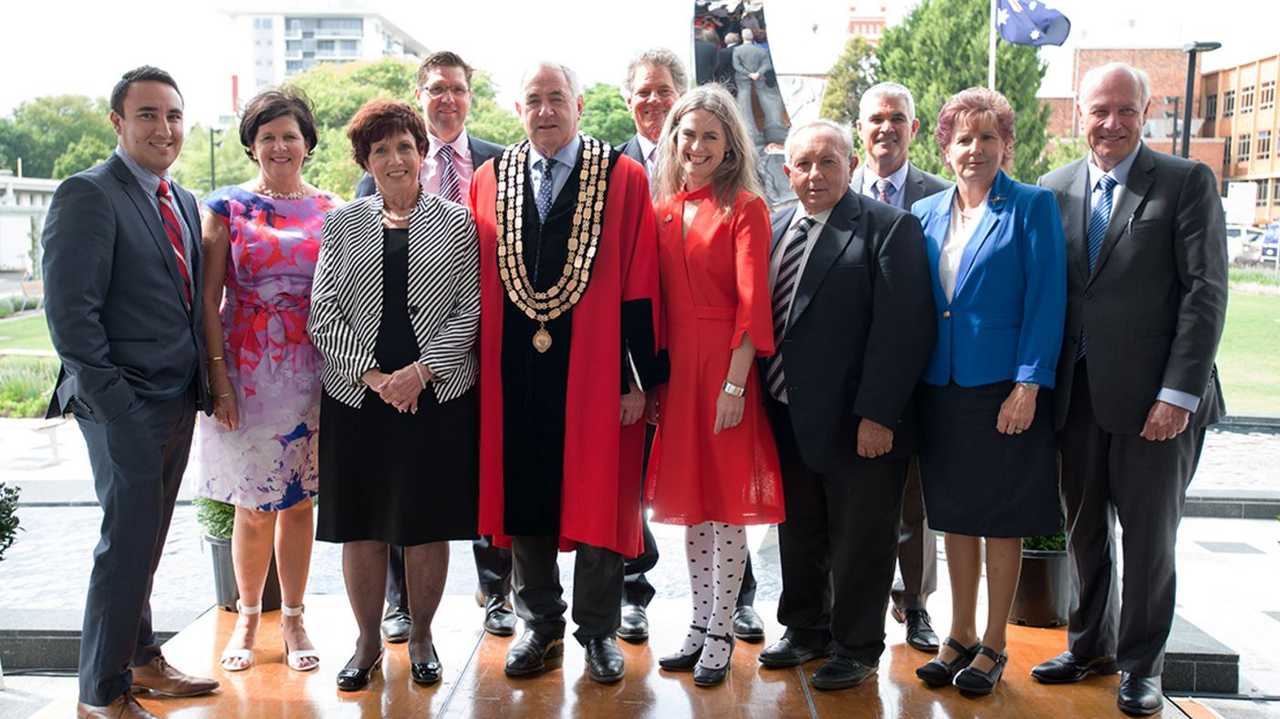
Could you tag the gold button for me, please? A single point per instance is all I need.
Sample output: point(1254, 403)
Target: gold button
point(946, 314)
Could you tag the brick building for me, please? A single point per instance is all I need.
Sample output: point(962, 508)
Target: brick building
point(867, 20)
point(1240, 107)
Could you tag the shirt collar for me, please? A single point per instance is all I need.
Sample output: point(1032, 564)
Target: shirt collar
point(819, 219)
point(646, 147)
point(897, 179)
point(1120, 172)
point(149, 180)
point(460, 145)
point(567, 155)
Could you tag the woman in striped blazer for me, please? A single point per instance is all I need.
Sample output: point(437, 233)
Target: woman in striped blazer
point(395, 310)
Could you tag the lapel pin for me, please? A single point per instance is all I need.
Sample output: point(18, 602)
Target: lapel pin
point(667, 218)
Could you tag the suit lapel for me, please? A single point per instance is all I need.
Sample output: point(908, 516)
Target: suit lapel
point(1135, 191)
point(1075, 222)
point(913, 188)
point(781, 222)
point(855, 183)
point(991, 220)
point(935, 226)
point(151, 218)
point(826, 250)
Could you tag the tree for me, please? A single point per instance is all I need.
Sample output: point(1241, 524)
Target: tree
point(940, 49)
point(605, 115)
point(231, 166)
point(88, 151)
point(42, 129)
point(851, 75)
point(487, 120)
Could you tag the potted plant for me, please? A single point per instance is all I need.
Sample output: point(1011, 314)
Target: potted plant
point(218, 520)
point(8, 517)
point(1044, 595)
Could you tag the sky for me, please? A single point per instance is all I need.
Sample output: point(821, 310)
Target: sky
point(74, 46)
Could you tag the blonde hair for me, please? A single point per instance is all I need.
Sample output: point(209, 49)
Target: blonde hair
point(736, 172)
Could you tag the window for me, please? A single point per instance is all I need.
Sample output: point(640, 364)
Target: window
point(1243, 144)
point(1228, 103)
point(1263, 193)
point(1267, 97)
point(1264, 144)
point(1246, 99)
point(1275, 192)
point(1226, 150)
point(1211, 106)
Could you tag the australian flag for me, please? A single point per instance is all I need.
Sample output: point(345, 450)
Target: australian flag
point(1031, 22)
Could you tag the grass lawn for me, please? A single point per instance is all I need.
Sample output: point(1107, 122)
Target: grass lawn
point(25, 333)
point(1249, 356)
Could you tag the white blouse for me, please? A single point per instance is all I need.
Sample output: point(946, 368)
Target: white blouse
point(959, 234)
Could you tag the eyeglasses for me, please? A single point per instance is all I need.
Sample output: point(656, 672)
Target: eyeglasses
point(439, 91)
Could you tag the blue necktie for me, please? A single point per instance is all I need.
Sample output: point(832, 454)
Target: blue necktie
point(1099, 219)
point(543, 199)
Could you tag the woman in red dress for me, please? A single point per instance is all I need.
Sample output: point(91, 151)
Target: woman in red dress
point(714, 466)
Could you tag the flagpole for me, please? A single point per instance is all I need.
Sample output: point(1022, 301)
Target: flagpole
point(991, 48)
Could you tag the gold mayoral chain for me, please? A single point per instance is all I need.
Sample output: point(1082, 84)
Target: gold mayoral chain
point(584, 236)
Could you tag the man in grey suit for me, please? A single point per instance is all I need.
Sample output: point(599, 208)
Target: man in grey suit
point(122, 271)
point(887, 124)
point(1137, 385)
point(444, 89)
point(751, 67)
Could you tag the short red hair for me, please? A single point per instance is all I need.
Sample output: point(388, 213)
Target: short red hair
point(968, 103)
point(379, 119)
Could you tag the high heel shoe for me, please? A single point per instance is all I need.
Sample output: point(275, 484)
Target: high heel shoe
point(683, 662)
point(975, 681)
point(354, 679)
point(238, 660)
point(428, 672)
point(705, 677)
point(295, 657)
point(937, 673)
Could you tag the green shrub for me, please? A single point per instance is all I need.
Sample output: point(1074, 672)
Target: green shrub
point(25, 385)
point(8, 517)
point(6, 307)
point(1052, 543)
point(217, 518)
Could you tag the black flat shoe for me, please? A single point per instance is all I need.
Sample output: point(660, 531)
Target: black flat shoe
point(396, 626)
point(787, 652)
point(937, 673)
point(499, 620)
point(1067, 668)
point(1139, 696)
point(605, 663)
point(841, 673)
point(980, 683)
point(704, 677)
point(428, 672)
point(531, 654)
point(354, 679)
point(634, 626)
point(683, 662)
point(920, 634)
point(747, 625)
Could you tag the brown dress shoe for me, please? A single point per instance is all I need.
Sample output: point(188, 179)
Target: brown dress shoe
point(159, 677)
point(124, 707)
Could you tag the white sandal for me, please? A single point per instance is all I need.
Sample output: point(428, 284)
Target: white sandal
point(294, 658)
point(243, 655)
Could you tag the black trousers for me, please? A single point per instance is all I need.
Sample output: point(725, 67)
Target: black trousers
point(493, 567)
point(636, 589)
point(838, 547)
point(137, 461)
point(917, 547)
point(1106, 477)
point(539, 598)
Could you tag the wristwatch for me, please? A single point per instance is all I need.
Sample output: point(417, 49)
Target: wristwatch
point(1029, 386)
point(736, 390)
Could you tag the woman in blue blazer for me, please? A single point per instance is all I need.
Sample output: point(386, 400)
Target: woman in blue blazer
point(997, 257)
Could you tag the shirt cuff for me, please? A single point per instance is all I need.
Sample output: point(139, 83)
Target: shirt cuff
point(1189, 402)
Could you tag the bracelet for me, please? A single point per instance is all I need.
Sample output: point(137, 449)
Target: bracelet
point(224, 396)
point(216, 359)
point(1032, 386)
point(735, 390)
point(422, 380)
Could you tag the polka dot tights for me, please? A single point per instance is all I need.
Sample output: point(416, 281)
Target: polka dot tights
point(717, 553)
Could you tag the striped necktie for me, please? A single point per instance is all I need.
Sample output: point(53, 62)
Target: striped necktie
point(169, 217)
point(783, 291)
point(543, 200)
point(1099, 219)
point(450, 186)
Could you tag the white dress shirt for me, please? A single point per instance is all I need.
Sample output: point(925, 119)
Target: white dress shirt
point(649, 151)
point(897, 180)
point(953, 245)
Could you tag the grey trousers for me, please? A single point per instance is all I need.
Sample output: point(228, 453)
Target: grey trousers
point(539, 598)
point(137, 460)
point(917, 547)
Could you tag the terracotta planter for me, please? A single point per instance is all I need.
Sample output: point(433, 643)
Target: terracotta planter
point(1044, 591)
point(224, 578)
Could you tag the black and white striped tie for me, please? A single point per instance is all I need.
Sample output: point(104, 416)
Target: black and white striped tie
point(450, 188)
point(784, 287)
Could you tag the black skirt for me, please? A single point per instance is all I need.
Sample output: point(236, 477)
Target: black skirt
point(980, 482)
point(395, 477)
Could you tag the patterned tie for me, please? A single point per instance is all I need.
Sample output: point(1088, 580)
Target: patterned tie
point(1099, 218)
point(450, 187)
point(884, 189)
point(169, 217)
point(543, 199)
point(783, 289)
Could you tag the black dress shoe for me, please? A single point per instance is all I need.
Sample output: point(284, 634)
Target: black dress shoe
point(499, 620)
point(920, 634)
point(428, 672)
point(1067, 668)
point(787, 652)
point(937, 673)
point(531, 653)
point(747, 625)
point(604, 660)
point(975, 681)
point(683, 662)
point(396, 626)
point(1139, 696)
point(840, 673)
point(353, 679)
point(707, 677)
point(635, 624)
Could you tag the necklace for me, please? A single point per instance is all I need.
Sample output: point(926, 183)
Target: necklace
point(396, 217)
point(584, 236)
point(262, 189)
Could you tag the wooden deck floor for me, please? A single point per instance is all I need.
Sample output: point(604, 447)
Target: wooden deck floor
point(474, 684)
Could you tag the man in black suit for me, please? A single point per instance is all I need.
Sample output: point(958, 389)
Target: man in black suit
point(444, 89)
point(887, 124)
point(724, 61)
point(1137, 385)
point(706, 46)
point(853, 318)
point(122, 298)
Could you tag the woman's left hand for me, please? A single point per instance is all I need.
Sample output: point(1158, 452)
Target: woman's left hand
point(1017, 411)
point(402, 389)
point(729, 411)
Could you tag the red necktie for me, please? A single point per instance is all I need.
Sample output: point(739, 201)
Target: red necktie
point(174, 231)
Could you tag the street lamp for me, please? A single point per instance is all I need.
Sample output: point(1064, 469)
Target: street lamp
point(1191, 49)
point(1176, 101)
point(213, 170)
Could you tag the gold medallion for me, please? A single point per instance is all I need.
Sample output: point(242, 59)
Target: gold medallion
point(542, 339)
